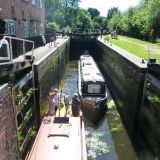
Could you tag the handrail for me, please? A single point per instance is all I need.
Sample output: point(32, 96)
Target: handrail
point(4, 41)
point(9, 56)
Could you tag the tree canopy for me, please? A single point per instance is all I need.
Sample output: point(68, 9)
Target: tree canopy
point(66, 13)
point(111, 12)
point(136, 21)
point(93, 12)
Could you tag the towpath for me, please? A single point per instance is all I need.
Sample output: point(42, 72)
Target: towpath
point(42, 51)
point(146, 46)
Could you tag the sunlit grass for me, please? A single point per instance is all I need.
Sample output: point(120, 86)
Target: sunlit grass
point(137, 47)
point(156, 46)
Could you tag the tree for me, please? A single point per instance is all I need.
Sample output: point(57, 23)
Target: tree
point(100, 20)
point(74, 4)
point(84, 20)
point(93, 12)
point(53, 25)
point(63, 12)
point(69, 11)
point(111, 12)
point(114, 22)
point(51, 7)
point(126, 23)
point(152, 7)
point(137, 21)
point(96, 25)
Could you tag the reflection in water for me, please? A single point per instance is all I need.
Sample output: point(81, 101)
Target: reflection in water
point(95, 145)
point(99, 143)
point(70, 80)
point(107, 140)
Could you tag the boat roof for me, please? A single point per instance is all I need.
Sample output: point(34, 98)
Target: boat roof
point(89, 70)
point(57, 140)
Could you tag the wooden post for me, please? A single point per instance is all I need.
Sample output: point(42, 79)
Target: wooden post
point(36, 94)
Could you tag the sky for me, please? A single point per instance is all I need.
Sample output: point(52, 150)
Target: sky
point(104, 5)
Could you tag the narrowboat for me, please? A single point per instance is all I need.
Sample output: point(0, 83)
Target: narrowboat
point(60, 138)
point(91, 87)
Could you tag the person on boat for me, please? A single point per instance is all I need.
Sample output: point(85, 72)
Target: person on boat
point(75, 106)
point(86, 53)
point(55, 98)
point(53, 101)
point(66, 102)
point(51, 110)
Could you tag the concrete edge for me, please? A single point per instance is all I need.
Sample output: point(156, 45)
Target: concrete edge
point(127, 55)
point(54, 49)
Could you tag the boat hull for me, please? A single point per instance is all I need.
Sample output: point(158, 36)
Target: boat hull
point(91, 89)
point(93, 111)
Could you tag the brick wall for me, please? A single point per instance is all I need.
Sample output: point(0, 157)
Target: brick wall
point(20, 10)
point(8, 149)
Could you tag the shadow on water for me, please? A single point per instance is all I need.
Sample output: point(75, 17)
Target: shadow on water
point(106, 139)
point(99, 141)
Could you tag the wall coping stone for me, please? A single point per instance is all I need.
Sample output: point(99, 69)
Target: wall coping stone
point(127, 55)
point(59, 44)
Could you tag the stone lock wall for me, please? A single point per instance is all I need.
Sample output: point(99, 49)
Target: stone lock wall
point(8, 144)
point(81, 44)
point(124, 75)
point(48, 73)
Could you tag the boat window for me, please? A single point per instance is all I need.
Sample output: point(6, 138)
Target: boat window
point(86, 74)
point(84, 88)
point(88, 63)
point(100, 74)
point(94, 88)
point(61, 120)
point(103, 89)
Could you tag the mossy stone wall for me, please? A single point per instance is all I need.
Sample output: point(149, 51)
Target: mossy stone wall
point(48, 73)
point(125, 80)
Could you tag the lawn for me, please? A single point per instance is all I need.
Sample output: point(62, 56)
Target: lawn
point(137, 47)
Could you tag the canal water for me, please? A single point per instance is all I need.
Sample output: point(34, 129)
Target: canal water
point(107, 140)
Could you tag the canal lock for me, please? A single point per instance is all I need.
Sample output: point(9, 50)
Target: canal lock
point(50, 71)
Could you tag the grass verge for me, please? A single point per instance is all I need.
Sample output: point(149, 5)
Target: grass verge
point(136, 47)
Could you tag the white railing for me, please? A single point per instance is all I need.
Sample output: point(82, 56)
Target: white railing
point(8, 58)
